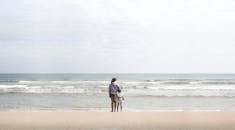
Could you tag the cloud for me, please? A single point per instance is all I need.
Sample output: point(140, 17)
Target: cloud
point(117, 36)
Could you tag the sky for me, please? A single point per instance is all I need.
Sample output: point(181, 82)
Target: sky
point(117, 36)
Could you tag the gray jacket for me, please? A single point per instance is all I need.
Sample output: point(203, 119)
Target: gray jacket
point(113, 88)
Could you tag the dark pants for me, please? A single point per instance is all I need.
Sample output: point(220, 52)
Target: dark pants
point(112, 96)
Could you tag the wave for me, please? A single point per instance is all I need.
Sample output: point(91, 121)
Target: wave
point(8, 81)
point(125, 83)
point(177, 91)
point(188, 81)
point(12, 86)
point(187, 88)
point(62, 82)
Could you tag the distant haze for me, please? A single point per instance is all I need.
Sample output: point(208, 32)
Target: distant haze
point(117, 36)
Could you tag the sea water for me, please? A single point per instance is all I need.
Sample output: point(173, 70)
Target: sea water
point(142, 92)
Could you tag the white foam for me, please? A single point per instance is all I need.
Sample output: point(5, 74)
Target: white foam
point(12, 86)
point(168, 88)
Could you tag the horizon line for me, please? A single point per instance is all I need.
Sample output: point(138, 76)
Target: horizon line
point(104, 73)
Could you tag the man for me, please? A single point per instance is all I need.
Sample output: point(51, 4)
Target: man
point(113, 90)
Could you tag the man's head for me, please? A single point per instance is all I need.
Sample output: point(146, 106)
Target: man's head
point(113, 80)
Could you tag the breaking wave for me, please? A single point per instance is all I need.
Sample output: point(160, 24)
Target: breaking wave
point(158, 88)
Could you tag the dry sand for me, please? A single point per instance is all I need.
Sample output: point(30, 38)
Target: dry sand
point(117, 121)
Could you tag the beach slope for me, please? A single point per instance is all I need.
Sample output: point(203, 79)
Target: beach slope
point(117, 121)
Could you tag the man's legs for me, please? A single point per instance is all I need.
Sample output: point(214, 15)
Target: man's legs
point(118, 106)
point(112, 103)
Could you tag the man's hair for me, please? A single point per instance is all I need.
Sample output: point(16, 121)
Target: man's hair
point(113, 80)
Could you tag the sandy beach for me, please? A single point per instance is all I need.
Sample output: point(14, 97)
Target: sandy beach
point(117, 121)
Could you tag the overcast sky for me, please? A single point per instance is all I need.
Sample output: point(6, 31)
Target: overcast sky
point(117, 36)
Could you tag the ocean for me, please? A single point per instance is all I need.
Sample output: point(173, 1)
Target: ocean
point(142, 92)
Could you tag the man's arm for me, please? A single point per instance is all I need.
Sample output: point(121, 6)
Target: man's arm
point(119, 89)
point(109, 91)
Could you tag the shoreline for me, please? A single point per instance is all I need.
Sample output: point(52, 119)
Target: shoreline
point(220, 120)
point(124, 110)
